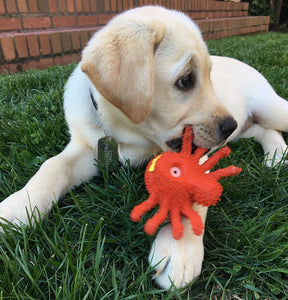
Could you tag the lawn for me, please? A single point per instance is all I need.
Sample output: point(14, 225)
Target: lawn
point(88, 248)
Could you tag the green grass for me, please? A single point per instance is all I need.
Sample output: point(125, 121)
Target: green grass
point(88, 248)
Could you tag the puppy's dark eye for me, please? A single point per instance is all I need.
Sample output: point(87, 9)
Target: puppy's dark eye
point(186, 82)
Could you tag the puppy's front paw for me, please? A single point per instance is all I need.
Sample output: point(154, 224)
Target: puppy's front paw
point(21, 206)
point(276, 159)
point(13, 209)
point(177, 261)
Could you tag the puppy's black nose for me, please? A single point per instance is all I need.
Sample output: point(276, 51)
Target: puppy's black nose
point(226, 127)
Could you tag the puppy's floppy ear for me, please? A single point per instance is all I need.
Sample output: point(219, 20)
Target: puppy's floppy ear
point(119, 62)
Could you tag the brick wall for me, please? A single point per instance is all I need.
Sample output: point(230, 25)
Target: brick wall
point(40, 33)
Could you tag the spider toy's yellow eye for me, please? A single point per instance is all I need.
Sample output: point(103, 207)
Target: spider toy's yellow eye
point(175, 172)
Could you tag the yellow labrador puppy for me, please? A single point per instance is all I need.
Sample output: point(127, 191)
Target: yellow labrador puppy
point(142, 78)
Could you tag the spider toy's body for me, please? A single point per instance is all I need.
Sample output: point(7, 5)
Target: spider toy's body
point(176, 180)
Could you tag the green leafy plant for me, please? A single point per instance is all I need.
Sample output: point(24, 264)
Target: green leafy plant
point(259, 7)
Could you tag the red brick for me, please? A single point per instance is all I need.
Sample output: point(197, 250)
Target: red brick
point(56, 43)
point(8, 48)
point(33, 46)
point(204, 35)
point(11, 6)
point(221, 34)
point(52, 6)
point(62, 5)
point(2, 7)
point(75, 40)
point(44, 44)
point(10, 68)
point(113, 5)
point(36, 22)
point(91, 33)
point(33, 6)
point(104, 19)
point(10, 24)
point(197, 4)
point(87, 20)
point(107, 5)
point(38, 64)
point(219, 14)
point(186, 5)
point(191, 5)
point(84, 38)
point(64, 21)
point(125, 6)
point(66, 59)
point(22, 6)
point(93, 5)
point(194, 15)
point(66, 41)
point(120, 7)
point(182, 4)
point(86, 5)
point(78, 5)
point(21, 45)
point(70, 6)
point(43, 6)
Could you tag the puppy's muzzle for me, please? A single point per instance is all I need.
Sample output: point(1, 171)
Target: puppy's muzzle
point(207, 135)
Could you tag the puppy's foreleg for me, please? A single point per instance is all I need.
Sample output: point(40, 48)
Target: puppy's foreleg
point(272, 141)
point(55, 177)
point(271, 111)
point(179, 261)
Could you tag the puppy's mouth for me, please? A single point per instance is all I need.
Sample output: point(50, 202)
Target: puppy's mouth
point(204, 136)
point(176, 145)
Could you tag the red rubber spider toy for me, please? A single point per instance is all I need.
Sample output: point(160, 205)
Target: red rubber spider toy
point(176, 180)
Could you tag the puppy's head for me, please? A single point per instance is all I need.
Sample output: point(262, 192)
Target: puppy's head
point(152, 64)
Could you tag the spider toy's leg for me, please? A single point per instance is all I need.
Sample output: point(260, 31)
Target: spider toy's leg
point(177, 226)
point(229, 171)
point(139, 210)
point(153, 223)
point(195, 219)
point(212, 161)
point(199, 152)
